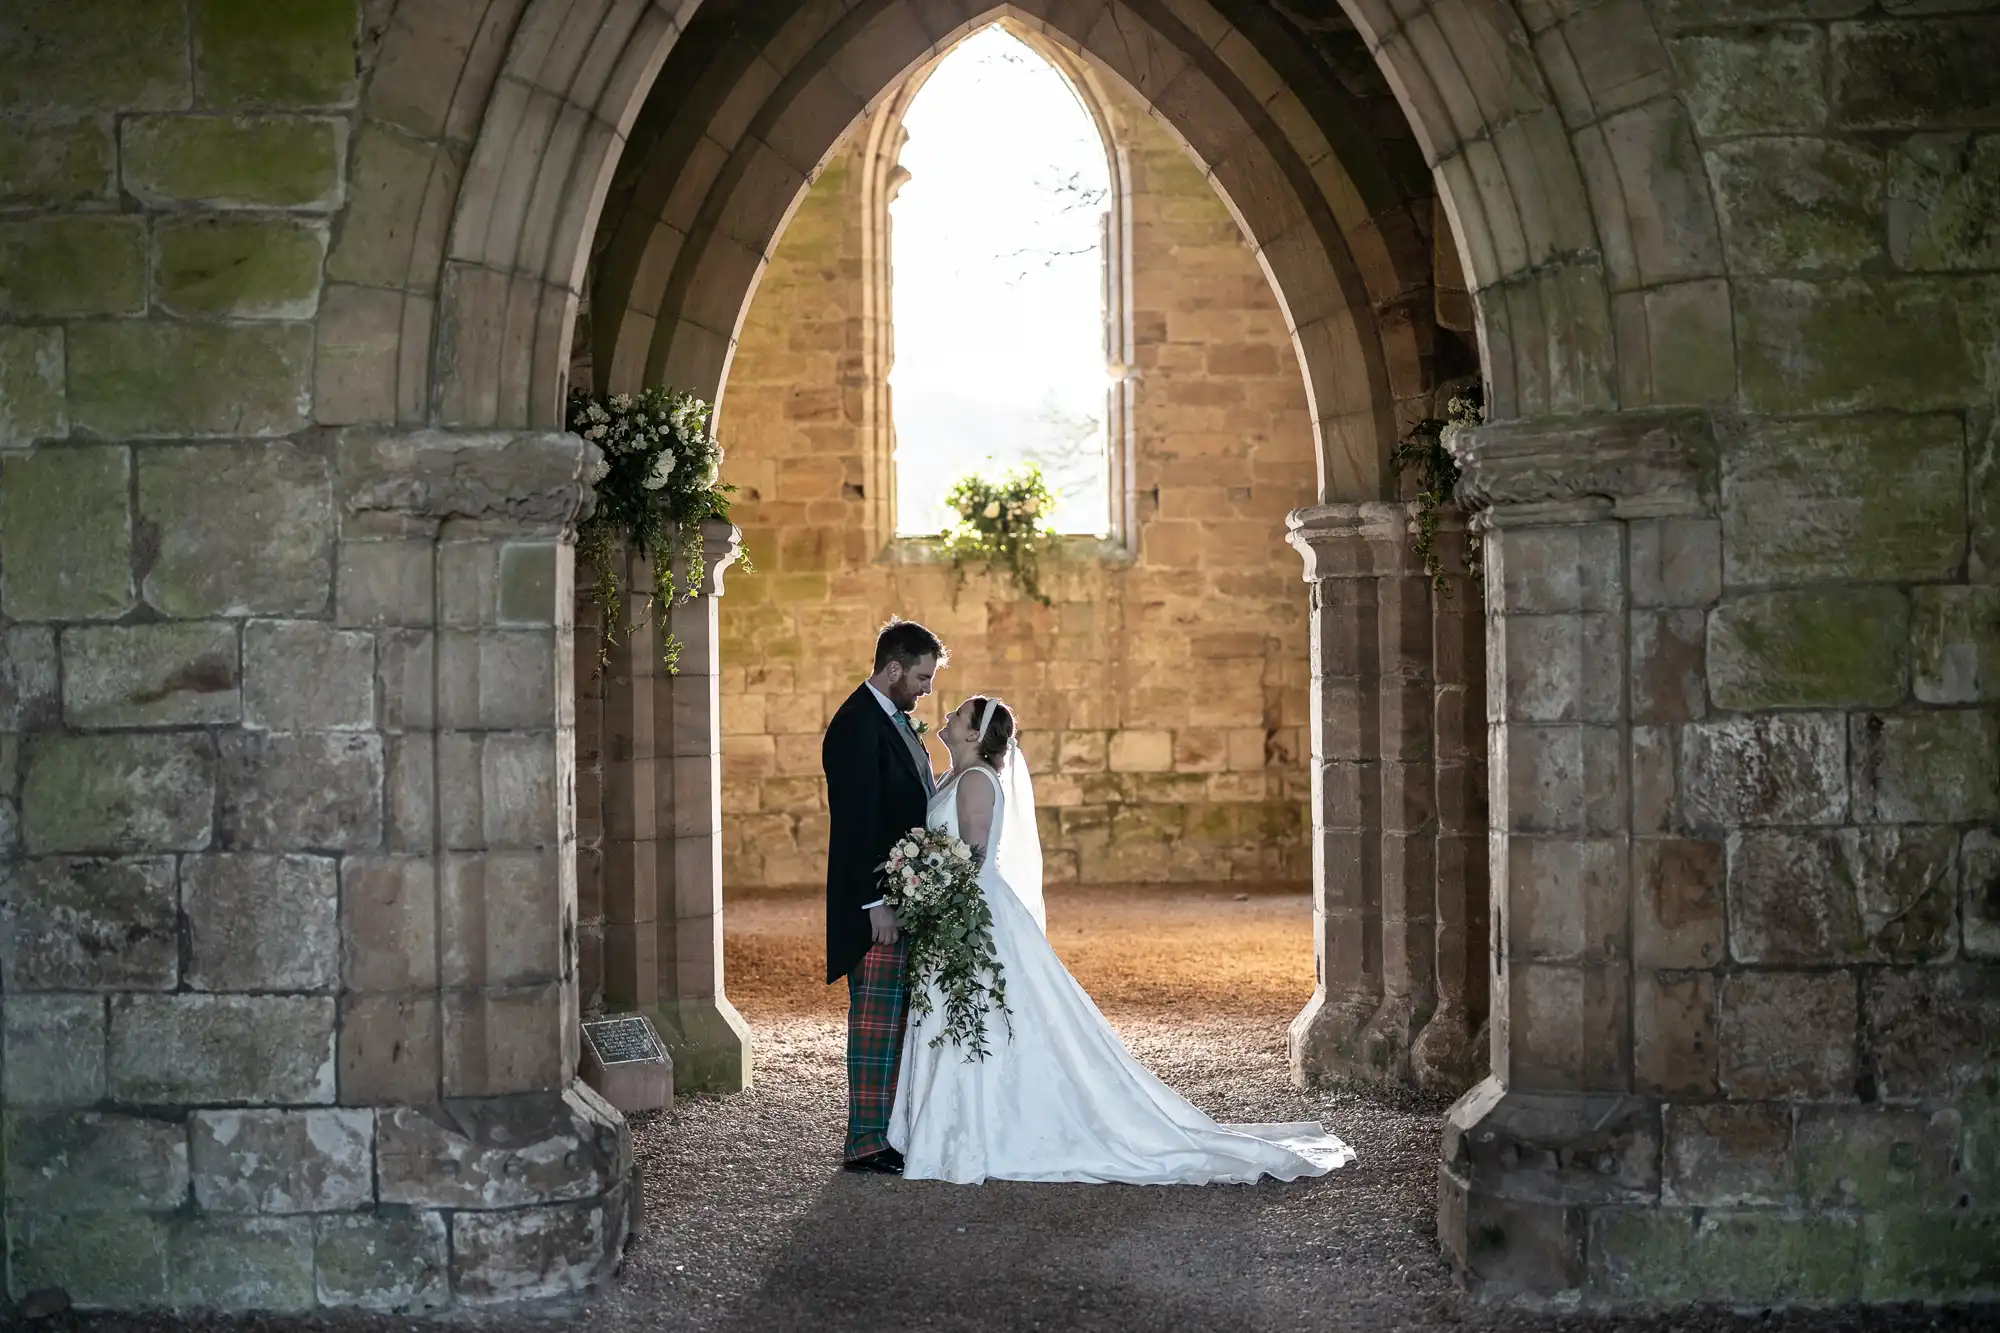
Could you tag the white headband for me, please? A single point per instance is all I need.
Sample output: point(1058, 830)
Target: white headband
point(985, 718)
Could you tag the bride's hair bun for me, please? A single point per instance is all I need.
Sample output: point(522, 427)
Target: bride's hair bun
point(995, 732)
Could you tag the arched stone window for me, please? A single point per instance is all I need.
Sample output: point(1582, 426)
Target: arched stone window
point(1027, 407)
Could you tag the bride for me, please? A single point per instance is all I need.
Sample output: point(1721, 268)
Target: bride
point(1058, 1097)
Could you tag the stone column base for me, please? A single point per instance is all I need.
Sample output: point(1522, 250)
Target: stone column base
point(1449, 1055)
point(405, 1209)
point(1326, 1039)
point(1529, 1182)
point(709, 1043)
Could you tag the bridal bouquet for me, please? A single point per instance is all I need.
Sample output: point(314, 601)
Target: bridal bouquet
point(932, 880)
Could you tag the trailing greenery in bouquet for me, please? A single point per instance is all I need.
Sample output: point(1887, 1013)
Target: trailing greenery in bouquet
point(657, 481)
point(931, 879)
point(1002, 524)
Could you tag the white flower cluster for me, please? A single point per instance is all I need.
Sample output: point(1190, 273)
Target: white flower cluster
point(925, 869)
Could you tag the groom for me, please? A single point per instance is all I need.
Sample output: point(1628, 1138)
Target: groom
point(878, 783)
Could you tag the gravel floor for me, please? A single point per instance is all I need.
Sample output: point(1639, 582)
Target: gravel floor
point(752, 1229)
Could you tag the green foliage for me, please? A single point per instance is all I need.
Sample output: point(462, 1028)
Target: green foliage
point(655, 485)
point(1425, 452)
point(1002, 527)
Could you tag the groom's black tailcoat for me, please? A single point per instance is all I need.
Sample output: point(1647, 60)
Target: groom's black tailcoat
point(873, 796)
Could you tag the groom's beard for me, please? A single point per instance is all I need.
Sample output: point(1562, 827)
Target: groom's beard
point(902, 695)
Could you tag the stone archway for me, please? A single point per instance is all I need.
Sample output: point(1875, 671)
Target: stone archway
point(1744, 951)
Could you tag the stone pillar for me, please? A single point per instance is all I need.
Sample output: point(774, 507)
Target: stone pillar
point(709, 1039)
point(1449, 1055)
point(1373, 843)
point(1561, 1141)
point(663, 833)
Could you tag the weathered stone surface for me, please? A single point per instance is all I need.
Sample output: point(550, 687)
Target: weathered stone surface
point(122, 793)
point(497, 679)
point(253, 54)
point(1852, 895)
point(1933, 1033)
point(73, 57)
point(1938, 72)
point(391, 172)
point(264, 268)
point(1788, 1035)
point(1775, 769)
point(503, 1152)
point(292, 792)
point(46, 497)
point(1865, 499)
point(1979, 892)
point(85, 924)
point(1955, 634)
point(1728, 1154)
point(1873, 1157)
point(1551, 669)
point(243, 529)
point(1799, 205)
point(1668, 666)
point(387, 1261)
point(1983, 497)
point(390, 1049)
point(282, 1161)
point(1817, 649)
point(46, 161)
point(1677, 916)
point(82, 264)
point(234, 161)
point(54, 1050)
point(305, 675)
point(532, 480)
point(1753, 1258)
point(1930, 1256)
point(10, 806)
point(1944, 197)
point(258, 1049)
point(116, 1259)
point(1673, 1033)
point(534, 581)
point(241, 1263)
point(386, 583)
point(160, 675)
point(536, 1252)
point(28, 681)
point(84, 1161)
point(1941, 766)
point(32, 405)
point(160, 378)
point(1764, 81)
point(1817, 346)
point(261, 923)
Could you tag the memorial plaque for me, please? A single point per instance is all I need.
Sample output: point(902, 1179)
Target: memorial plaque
point(624, 1060)
point(621, 1040)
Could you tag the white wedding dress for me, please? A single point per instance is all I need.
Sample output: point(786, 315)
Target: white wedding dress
point(1061, 1098)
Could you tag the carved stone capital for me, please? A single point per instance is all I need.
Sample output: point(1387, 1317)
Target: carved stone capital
point(532, 481)
point(1353, 541)
point(1634, 463)
point(721, 543)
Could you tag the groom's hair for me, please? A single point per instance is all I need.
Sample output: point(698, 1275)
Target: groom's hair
point(907, 642)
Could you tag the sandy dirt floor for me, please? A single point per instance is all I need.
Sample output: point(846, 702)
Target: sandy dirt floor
point(752, 1228)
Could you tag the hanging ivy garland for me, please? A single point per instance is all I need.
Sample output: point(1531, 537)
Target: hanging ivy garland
point(655, 484)
point(1002, 526)
point(1425, 452)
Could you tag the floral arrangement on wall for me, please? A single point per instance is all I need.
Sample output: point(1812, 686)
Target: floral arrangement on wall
point(658, 479)
point(1002, 527)
point(1426, 451)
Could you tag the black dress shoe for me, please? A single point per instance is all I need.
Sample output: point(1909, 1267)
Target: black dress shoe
point(888, 1162)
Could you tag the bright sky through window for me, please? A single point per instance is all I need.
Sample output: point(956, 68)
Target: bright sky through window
point(997, 299)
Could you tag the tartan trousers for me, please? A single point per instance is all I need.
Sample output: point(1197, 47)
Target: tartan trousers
point(878, 1005)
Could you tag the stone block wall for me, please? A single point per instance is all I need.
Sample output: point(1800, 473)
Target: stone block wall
point(286, 885)
point(1163, 696)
